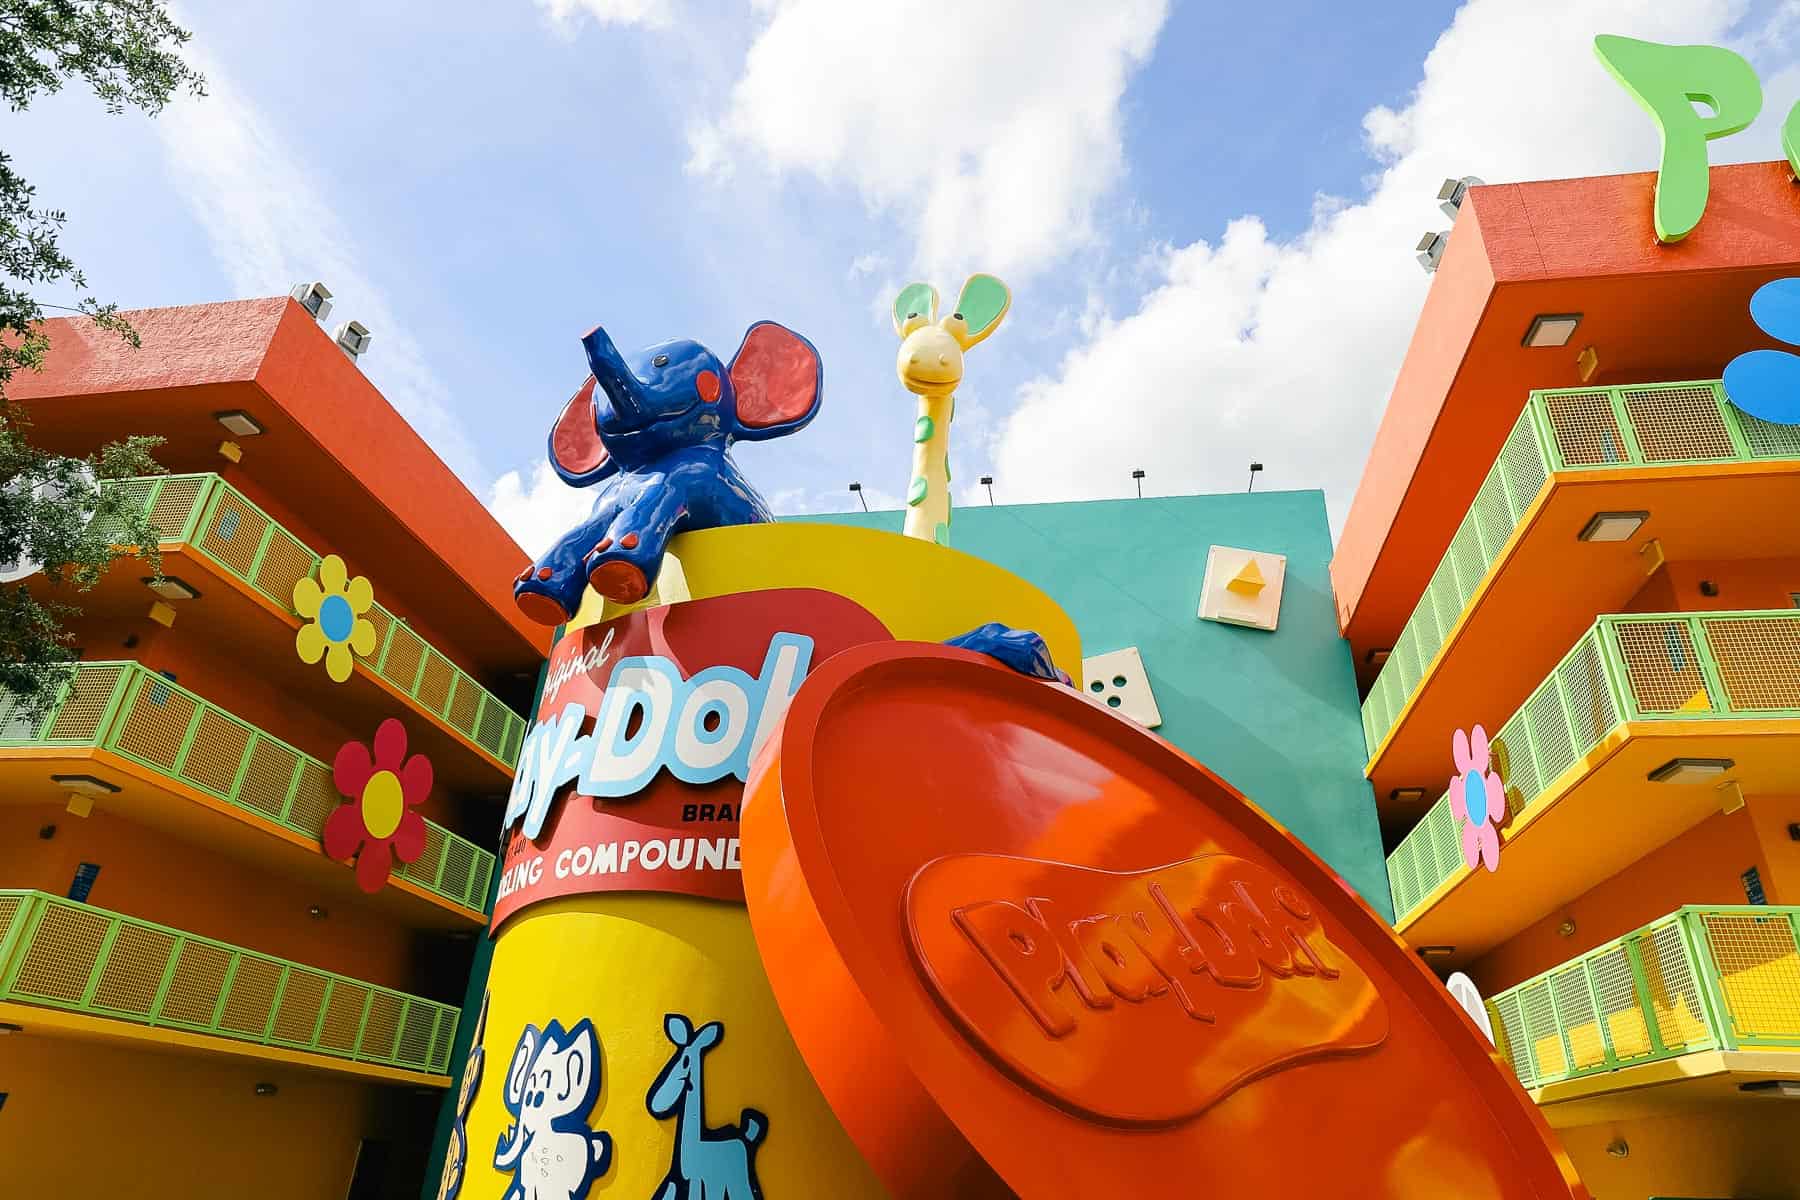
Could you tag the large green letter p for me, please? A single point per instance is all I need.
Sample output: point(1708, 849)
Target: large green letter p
point(1667, 80)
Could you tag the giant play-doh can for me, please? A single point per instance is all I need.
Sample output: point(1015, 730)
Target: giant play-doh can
point(630, 1038)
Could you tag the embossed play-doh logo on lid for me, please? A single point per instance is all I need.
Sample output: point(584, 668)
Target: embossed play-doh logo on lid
point(1205, 974)
point(1028, 948)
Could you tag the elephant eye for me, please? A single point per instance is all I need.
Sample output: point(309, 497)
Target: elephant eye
point(661, 360)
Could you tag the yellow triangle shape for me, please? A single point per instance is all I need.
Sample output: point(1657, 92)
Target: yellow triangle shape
point(1248, 581)
point(1696, 703)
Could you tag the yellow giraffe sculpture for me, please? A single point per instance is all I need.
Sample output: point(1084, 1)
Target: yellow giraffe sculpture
point(931, 366)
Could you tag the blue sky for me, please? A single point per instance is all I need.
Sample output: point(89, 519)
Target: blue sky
point(1206, 211)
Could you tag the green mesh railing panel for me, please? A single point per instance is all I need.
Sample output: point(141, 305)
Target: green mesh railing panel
point(1574, 430)
point(217, 520)
point(58, 953)
point(1698, 979)
point(134, 712)
point(1656, 666)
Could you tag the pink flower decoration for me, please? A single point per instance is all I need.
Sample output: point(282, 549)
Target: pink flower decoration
point(383, 790)
point(1477, 798)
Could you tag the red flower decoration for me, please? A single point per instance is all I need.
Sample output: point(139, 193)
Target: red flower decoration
point(383, 791)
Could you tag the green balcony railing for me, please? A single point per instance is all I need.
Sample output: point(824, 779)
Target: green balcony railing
point(1586, 429)
point(219, 522)
point(60, 954)
point(137, 714)
point(1697, 979)
point(1626, 668)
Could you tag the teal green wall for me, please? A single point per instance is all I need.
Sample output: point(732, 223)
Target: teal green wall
point(1277, 715)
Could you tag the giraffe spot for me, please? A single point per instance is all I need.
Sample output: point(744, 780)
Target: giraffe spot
point(917, 491)
point(923, 430)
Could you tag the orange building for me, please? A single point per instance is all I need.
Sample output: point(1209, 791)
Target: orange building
point(1569, 535)
point(179, 957)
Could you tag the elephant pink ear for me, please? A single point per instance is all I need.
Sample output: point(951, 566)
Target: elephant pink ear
point(778, 381)
point(575, 448)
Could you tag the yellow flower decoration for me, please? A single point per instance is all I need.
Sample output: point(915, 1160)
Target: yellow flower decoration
point(333, 609)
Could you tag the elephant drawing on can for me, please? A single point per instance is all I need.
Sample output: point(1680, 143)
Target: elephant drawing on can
point(551, 1086)
point(652, 432)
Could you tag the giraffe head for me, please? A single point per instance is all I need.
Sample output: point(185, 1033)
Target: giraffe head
point(931, 351)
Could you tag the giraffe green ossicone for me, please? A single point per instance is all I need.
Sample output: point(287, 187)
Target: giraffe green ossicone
point(930, 365)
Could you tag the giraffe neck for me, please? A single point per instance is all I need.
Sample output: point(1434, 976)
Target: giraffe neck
point(692, 1123)
point(928, 496)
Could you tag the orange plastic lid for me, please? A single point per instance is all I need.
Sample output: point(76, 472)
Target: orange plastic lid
point(1025, 945)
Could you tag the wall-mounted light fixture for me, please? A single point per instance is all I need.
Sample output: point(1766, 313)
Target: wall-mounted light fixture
point(1549, 330)
point(1453, 192)
point(87, 785)
point(8, 1027)
point(316, 912)
point(170, 588)
point(1613, 526)
point(239, 422)
point(1407, 795)
point(987, 481)
point(1691, 770)
point(1378, 657)
point(314, 297)
point(266, 1089)
point(1567, 928)
point(353, 338)
point(1436, 951)
point(1137, 476)
point(857, 489)
point(1430, 250)
point(1619, 1148)
point(1787, 1089)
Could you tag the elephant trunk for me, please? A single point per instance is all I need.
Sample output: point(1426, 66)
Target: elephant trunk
point(614, 377)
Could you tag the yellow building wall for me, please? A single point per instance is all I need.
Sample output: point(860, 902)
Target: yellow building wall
point(1743, 1148)
point(103, 1122)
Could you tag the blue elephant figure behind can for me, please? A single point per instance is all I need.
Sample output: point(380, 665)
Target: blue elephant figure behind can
point(652, 433)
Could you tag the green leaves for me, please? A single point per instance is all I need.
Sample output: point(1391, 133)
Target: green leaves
point(127, 52)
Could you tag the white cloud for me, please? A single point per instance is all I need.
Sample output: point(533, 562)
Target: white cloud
point(566, 15)
point(991, 129)
point(271, 226)
point(1248, 347)
point(538, 511)
point(867, 264)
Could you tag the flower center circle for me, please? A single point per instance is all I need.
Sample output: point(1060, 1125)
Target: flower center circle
point(1475, 797)
point(383, 801)
point(335, 618)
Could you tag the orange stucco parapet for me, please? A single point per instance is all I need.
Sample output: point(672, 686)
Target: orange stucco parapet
point(200, 355)
point(308, 375)
point(1453, 307)
point(1572, 245)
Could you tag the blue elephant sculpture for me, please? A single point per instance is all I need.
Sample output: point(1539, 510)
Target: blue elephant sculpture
point(652, 432)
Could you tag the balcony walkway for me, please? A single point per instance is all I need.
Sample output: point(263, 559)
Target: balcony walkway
point(124, 978)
